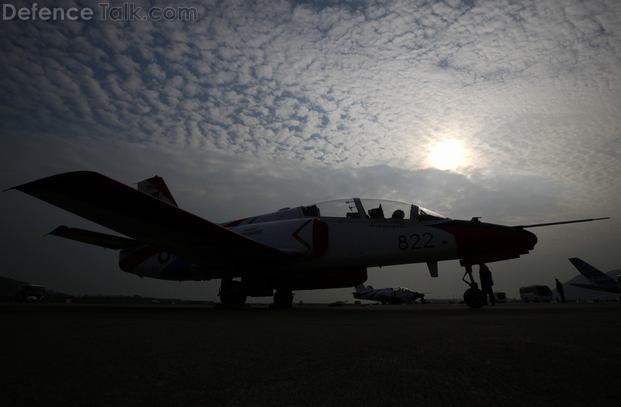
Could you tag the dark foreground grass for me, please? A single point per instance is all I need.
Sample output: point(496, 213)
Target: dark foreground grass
point(315, 356)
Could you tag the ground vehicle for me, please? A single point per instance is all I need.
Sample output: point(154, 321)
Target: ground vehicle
point(31, 293)
point(536, 293)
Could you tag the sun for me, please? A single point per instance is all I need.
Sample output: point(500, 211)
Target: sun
point(447, 155)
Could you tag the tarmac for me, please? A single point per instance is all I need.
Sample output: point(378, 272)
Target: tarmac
point(312, 355)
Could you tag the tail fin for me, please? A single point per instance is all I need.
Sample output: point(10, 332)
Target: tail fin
point(590, 272)
point(156, 187)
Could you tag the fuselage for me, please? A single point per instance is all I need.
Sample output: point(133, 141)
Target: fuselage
point(355, 241)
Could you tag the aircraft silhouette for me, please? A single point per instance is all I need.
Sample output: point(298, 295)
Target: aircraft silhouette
point(387, 295)
point(323, 245)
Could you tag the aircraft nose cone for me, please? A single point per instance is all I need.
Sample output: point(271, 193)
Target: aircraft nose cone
point(522, 240)
point(519, 240)
point(479, 242)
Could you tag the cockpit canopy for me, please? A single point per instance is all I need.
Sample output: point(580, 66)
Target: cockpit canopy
point(356, 208)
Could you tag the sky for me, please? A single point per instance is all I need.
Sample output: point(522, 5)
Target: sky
point(508, 110)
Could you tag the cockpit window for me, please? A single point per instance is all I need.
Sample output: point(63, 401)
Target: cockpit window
point(310, 211)
point(355, 208)
point(340, 208)
point(426, 214)
point(386, 209)
point(373, 209)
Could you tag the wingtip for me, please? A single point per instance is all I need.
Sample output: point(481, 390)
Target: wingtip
point(58, 229)
point(45, 181)
point(20, 187)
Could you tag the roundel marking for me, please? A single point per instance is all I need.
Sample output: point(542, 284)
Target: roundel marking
point(163, 256)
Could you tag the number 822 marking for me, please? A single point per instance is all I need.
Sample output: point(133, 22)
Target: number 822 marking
point(416, 241)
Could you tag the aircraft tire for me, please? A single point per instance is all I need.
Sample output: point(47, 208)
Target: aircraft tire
point(232, 294)
point(474, 298)
point(283, 299)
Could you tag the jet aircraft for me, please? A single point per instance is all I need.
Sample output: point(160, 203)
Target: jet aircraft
point(323, 245)
point(601, 281)
point(387, 295)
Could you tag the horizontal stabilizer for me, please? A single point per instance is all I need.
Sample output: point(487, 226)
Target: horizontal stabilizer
point(149, 220)
point(94, 238)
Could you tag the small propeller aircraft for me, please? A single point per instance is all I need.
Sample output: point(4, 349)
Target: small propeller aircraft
point(323, 245)
point(387, 295)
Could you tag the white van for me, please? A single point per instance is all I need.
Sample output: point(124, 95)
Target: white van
point(536, 293)
point(500, 296)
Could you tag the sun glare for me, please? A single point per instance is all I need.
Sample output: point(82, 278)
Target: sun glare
point(447, 155)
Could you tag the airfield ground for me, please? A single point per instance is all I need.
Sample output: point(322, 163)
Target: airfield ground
point(419, 355)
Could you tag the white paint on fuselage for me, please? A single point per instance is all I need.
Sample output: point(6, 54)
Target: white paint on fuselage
point(281, 234)
point(386, 242)
point(355, 242)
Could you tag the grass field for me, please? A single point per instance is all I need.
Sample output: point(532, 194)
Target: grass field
point(421, 355)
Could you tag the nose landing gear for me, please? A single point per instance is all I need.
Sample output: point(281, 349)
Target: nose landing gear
point(473, 296)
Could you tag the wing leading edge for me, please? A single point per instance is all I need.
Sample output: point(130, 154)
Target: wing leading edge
point(125, 210)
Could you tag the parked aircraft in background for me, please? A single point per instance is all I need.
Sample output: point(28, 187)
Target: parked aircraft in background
point(31, 293)
point(324, 245)
point(387, 295)
point(601, 281)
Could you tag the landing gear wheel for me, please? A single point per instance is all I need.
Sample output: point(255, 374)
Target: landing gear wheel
point(283, 299)
point(474, 298)
point(232, 293)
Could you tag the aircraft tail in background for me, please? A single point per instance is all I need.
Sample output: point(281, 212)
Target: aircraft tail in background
point(601, 281)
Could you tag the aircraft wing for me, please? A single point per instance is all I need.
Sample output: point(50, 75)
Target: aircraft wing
point(125, 210)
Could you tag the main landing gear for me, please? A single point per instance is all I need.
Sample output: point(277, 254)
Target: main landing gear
point(232, 293)
point(473, 297)
point(283, 299)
